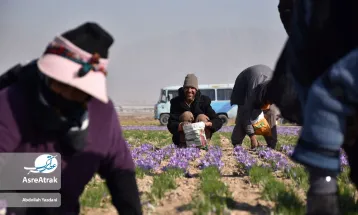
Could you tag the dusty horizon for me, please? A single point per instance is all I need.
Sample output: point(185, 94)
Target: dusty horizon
point(157, 45)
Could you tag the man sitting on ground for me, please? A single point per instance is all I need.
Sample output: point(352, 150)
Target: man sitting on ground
point(191, 106)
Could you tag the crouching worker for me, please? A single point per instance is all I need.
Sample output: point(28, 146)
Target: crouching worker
point(59, 104)
point(190, 107)
point(248, 92)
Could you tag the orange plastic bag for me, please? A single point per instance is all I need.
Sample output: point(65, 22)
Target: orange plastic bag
point(265, 107)
point(261, 126)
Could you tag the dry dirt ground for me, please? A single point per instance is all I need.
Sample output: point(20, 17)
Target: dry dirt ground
point(138, 119)
point(145, 119)
point(246, 196)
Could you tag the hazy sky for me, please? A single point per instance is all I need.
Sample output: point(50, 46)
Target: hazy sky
point(157, 42)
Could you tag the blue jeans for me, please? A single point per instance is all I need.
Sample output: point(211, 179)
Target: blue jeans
point(330, 101)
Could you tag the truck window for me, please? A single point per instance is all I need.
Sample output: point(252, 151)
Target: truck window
point(223, 94)
point(173, 92)
point(208, 92)
point(163, 96)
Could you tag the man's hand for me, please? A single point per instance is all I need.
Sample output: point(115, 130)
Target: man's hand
point(254, 142)
point(208, 124)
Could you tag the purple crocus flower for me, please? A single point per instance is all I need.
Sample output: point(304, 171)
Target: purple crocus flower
point(181, 158)
point(283, 130)
point(277, 160)
point(343, 158)
point(212, 158)
point(244, 158)
point(142, 151)
point(128, 144)
point(146, 157)
point(168, 150)
point(287, 149)
point(147, 163)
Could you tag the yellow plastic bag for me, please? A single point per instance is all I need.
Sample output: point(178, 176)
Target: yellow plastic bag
point(261, 126)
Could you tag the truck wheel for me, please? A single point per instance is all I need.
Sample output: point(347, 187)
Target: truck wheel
point(224, 119)
point(164, 119)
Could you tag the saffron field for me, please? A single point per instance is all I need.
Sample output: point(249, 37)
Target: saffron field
point(222, 180)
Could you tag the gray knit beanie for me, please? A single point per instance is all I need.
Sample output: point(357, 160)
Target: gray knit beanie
point(191, 81)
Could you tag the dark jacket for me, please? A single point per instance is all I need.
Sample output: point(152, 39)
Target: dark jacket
point(201, 105)
point(330, 34)
point(310, 51)
point(10, 76)
point(105, 152)
point(285, 8)
point(321, 54)
point(281, 91)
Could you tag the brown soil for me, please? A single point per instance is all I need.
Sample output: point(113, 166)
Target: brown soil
point(139, 119)
point(246, 196)
point(175, 201)
point(146, 119)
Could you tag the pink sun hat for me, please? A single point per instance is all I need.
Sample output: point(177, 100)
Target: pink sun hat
point(79, 58)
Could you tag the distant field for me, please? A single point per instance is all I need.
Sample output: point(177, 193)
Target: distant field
point(145, 119)
point(130, 118)
point(137, 119)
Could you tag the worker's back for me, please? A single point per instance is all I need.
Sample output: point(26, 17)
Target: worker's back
point(247, 80)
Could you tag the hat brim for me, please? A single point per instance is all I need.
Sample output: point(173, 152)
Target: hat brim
point(65, 71)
